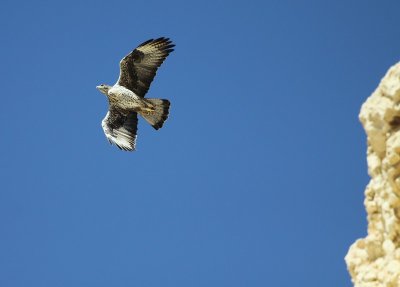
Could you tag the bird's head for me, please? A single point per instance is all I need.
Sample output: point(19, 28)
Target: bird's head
point(103, 88)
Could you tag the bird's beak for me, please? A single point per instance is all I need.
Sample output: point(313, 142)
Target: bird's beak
point(98, 87)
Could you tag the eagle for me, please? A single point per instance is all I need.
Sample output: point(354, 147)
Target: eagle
point(126, 98)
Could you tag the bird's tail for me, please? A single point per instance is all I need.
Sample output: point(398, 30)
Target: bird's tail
point(157, 114)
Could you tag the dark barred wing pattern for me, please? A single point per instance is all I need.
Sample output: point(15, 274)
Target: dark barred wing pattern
point(138, 69)
point(121, 129)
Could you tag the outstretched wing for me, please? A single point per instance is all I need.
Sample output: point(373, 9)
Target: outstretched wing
point(121, 129)
point(137, 70)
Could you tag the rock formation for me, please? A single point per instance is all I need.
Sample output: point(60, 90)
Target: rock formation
point(375, 259)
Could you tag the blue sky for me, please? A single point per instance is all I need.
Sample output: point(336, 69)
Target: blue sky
point(257, 177)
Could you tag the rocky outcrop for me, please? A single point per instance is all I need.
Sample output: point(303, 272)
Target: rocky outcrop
point(375, 259)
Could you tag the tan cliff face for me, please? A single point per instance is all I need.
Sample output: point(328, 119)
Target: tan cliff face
point(375, 259)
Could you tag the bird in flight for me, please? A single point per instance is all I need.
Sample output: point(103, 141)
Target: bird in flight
point(126, 97)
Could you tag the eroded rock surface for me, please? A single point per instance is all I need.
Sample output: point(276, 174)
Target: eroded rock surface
point(375, 259)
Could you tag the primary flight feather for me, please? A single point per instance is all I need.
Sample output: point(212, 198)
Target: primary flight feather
point(126, 97)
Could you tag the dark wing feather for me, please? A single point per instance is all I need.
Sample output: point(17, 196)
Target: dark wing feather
point(121, 129)
point(137, 70)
